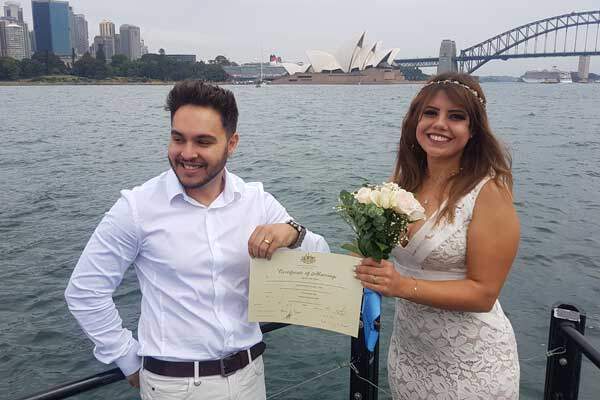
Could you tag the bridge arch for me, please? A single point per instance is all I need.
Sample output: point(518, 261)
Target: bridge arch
point(497, 47)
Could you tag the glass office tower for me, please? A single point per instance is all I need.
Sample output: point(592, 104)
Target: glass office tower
point(51, 26)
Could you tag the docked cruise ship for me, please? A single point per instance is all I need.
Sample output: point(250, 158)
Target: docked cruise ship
point(545, 76)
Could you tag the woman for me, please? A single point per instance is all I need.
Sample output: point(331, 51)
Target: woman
point(451, 339)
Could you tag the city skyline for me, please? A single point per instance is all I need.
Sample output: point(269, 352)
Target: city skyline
point(242, 32)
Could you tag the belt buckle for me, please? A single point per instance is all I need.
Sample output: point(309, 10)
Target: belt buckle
point(224, 373)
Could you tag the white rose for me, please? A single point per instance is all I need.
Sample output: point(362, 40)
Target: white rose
point(375, 197)
point(417, 214)
point(405, 202)
point(363, 195)
point(386, 197)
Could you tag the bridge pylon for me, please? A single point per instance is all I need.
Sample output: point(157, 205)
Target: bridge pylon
point(447, 61)
point(584, 68)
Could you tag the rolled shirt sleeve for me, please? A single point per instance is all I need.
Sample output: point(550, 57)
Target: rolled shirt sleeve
point(276, 213)
point(113, 247)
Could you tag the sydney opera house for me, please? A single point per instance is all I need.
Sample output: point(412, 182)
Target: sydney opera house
point(355, 63)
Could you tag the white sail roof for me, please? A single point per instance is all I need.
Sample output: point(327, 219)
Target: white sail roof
point(292, 68)
point(393, 54)
point(358, 63)
point(368, 62)
point(383, 56)
point(322, 61)
point(355, 55)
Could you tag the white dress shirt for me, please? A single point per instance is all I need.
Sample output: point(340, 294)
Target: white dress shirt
point(192, 264)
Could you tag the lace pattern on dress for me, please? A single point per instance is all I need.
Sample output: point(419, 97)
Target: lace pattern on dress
point(449, 255)
point(438, 354)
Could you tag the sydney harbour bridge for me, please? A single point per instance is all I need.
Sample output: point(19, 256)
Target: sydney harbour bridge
point(568, 35)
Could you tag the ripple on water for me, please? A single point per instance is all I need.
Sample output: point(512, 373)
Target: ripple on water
point(305, 146)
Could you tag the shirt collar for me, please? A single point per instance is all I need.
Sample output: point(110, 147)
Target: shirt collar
point(231, 191)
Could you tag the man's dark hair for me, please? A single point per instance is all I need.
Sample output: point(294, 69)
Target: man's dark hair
point(203, 94)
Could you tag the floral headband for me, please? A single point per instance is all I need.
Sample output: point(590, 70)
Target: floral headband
point(453, 82)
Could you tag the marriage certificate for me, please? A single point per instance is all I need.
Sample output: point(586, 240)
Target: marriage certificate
point(310, 289)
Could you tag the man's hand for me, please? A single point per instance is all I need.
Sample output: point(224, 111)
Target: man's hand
point(267, 238)
point(134, 379)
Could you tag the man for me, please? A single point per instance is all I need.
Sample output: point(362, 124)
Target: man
point(190, 232)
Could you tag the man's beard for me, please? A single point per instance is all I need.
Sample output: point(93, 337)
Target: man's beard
point(211, 172)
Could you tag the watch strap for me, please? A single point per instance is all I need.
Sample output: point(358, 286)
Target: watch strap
point(301, 233)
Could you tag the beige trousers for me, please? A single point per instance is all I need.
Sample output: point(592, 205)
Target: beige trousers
point(246, 384)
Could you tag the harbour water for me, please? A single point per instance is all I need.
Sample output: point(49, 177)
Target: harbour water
point(67, 151)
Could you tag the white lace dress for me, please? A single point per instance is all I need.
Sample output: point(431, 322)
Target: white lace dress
point(439, 354)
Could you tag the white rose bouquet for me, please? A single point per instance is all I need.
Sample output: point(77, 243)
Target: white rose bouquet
point(379, 215)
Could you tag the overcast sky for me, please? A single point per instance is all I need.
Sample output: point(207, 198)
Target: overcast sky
point(242, 30)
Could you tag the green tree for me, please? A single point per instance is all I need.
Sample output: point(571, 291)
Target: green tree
point(9, 69)
point(221, 60)
point(100, 55)
point(120, 65)
point(134, 69)
point(213, 72)
point(90, 67)
point(53, 65)
point(31, 68)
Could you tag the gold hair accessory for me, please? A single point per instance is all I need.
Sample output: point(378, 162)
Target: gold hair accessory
point(453, 82)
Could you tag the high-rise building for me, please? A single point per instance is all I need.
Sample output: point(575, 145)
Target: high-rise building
point(71, 29)
point(131, 45)
point(107, 44)
point(20, 42)
point(118, 44)
point(51, 26)
point(13, 39)
point(32, 48)
point(12, 9)
point(144, 47)
point(107, 29)
point(80, 27)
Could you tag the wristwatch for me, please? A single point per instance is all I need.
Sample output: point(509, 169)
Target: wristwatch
point(301, 233)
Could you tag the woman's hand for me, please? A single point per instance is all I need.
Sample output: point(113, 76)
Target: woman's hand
point(267, 238)
point(381, 277)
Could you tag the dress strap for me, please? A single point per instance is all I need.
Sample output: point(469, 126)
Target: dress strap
point(438, 234)
point(469, 200)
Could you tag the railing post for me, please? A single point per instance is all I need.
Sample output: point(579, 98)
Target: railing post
point(367, 367)
point(563, 365)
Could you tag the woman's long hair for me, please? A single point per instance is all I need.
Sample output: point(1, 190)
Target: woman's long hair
point(482, 156)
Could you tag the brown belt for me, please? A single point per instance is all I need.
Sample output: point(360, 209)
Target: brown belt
point(224, 367)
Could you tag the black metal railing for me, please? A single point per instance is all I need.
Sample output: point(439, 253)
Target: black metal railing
point(566, 345)
point(363, 376)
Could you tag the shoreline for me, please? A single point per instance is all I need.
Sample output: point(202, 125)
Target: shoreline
point(171, 83)
point(71, 80)
point(90, 83)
